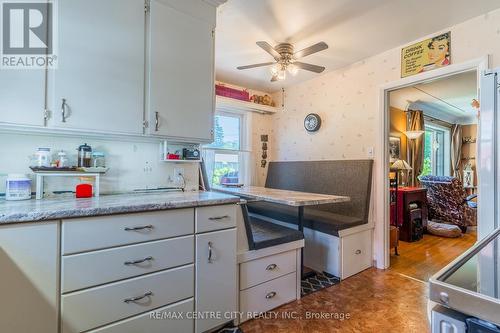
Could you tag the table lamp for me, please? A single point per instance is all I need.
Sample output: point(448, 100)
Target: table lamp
point(400, 166)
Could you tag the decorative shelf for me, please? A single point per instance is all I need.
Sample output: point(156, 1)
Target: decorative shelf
point(171, 147)
point(180, 161)
point(40, 175)
point(226, 103)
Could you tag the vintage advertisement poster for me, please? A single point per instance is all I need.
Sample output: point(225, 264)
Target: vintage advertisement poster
point(426, 55)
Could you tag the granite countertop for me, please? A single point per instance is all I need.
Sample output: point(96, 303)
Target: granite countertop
point(284, 197)
point(61, 208)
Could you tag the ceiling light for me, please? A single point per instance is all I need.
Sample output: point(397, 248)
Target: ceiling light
point(275, 70)
point(282, 75)
point(292, 69)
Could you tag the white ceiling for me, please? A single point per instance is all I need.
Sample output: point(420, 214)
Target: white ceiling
point(354, 30)
point(447, 99)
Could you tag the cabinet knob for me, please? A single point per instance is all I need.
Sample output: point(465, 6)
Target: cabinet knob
point(271, 295)
point(271, 267)
point(445, 298)
point(135, 262)
point(358, 252)
point(210, 252)
point(138, 298)
point(63, 110)
point(157, 121)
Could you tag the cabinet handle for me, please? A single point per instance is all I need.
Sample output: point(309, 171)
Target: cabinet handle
point(63, 110)
point(138, 228)
point(358, 252)
point(271, 295)
point(135, 262)
point(271, 267)
point(210, 252)
point(157, 121)
point(138, 298)
point(216, 218)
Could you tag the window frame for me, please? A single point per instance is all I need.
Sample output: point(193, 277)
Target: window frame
point(446, 146)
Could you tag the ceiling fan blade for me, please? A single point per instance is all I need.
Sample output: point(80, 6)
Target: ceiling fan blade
point(269, 49)
point(310, 50)
point(256, 65)
point(309, 67)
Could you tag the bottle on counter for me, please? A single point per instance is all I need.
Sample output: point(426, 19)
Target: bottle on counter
point(43, 157)
point(98, 160)
point(62, 161)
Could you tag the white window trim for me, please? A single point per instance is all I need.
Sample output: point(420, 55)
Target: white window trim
point(244, 172)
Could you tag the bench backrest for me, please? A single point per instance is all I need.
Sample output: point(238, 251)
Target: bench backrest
point(351, 178)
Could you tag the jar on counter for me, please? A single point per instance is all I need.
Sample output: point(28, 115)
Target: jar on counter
point(43, 157)
point(84, 156)
point(62, 161)
point(98, 160)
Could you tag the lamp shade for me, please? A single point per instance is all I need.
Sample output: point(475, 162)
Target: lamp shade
point(401, 165)
point(413, 135)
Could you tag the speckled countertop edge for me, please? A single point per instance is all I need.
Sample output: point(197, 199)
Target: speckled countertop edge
point(65, 208)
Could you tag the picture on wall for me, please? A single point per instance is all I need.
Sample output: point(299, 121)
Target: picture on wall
point(426, 55)
point(394, 148)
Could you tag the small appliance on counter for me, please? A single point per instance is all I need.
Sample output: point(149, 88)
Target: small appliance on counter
point(17, 187)
point(84, 156)
point(190, 154)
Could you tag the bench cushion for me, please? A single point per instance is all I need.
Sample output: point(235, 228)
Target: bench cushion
point(267, 234)
point(323, 221)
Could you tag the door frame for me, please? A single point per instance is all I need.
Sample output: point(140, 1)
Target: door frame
point(381, 237)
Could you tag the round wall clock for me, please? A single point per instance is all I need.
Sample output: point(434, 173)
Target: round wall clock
point(312, 122)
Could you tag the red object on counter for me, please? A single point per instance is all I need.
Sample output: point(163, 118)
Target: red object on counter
point(173, 157)
point(242, 95)
point(83, 191)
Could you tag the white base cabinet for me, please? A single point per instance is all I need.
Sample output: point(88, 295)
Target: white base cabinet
point(216, 277)
point(29, 277)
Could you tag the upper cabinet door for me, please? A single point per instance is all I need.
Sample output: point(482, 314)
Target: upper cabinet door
point(181, 73)
point(99, 82)
point(22, 96)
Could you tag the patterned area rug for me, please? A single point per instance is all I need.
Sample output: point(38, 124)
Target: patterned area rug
point(317, 282)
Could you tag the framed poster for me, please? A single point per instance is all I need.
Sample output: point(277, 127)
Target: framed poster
point(394, 148)
point(426, 55)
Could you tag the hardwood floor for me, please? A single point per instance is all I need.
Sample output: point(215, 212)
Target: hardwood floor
point(371, 301)
point(393, 300)
point(422, 259)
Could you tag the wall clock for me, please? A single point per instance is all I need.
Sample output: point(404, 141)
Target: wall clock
point(312, 122)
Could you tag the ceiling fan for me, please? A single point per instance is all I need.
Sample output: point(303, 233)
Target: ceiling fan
point(286, 59)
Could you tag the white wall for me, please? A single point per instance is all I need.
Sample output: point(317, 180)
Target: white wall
point(126, 160)
point(348, 102)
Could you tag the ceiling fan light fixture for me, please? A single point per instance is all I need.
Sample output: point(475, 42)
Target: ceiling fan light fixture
point(292, 69)
point(282, 75)
point(275, 69)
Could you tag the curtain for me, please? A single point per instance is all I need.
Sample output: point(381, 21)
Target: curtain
point(415, 147)
point(456, 150)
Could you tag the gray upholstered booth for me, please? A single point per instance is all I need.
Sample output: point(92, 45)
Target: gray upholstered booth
point(352, 178)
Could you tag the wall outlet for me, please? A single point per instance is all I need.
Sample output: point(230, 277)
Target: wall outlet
point(178, 171)
point(370, 152)
point(148, 167)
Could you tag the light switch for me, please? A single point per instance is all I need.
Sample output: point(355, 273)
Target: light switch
point(370, 152)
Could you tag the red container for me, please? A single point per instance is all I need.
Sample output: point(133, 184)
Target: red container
point(173, 157)
point(83, 191)
point(242, 95)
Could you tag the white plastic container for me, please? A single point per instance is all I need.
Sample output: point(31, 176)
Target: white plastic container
point(17, 187)
point(43, 157)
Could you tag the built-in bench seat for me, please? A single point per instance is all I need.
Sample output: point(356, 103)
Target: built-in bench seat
point(320, 220)
point(338, 236)
point(262, 234)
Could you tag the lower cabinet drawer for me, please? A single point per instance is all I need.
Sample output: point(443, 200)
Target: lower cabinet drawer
point(356, 253)
point(91, 308)
point(269, 295)
point(94, 268)
point(264, 269)
point(162, 320)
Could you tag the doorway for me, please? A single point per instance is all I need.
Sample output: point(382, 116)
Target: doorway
point(381, 235)
point(433, 194)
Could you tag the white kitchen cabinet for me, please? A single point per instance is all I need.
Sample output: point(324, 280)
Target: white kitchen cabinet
point(22, 97)
point(181, 70)
point(99, 82)
point(216, 277)
point(29, 277)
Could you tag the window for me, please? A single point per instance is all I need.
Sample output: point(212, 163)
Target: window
point(224, 158)
point(436, 151)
